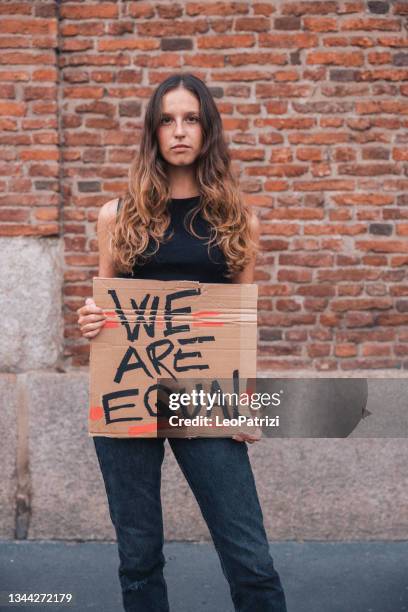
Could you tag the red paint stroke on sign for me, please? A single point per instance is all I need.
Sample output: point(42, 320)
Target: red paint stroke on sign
point(206, 313)
point(137, 430)
point(160, 324)
point(109, 324)
point(95, 413)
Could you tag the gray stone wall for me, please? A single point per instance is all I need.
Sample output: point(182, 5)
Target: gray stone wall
point(51, 486)
point(31, 280)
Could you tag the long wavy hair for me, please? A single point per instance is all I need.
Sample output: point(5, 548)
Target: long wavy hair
point(144, 212)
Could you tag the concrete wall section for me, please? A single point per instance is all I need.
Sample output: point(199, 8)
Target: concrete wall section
point(8, 455)
point(309, 488)
point(31, 280)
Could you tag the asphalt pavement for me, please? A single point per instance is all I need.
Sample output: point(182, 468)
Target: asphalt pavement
point(317, 576)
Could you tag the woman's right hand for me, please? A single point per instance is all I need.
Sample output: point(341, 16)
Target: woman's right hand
point(91, 319)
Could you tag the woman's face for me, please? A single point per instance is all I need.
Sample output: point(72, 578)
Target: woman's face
point(180, 125)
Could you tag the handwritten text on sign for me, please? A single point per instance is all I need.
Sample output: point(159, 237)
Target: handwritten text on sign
point(159, 342)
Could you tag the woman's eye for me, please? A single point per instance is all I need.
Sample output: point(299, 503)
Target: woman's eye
point(166, 120)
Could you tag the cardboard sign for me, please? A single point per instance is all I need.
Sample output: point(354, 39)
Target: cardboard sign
point(164, 335)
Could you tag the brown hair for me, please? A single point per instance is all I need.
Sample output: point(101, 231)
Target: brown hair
point(144, 212)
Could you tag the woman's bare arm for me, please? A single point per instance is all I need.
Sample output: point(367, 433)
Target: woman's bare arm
point(247, 274)
point(90, 317)
point(106, 220)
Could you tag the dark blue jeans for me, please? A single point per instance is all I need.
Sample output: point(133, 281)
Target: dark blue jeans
point(219, 473)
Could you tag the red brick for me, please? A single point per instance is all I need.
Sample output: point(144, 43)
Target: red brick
point(295, 276)
point(252, 24)
point(335, 58)
point(359, 319)
point(345, 350)
point(316, 290)
point(101, 10)
point(371, 23)
point(370, 364)
point(283, 364)
point(315, 304)
point(296, 335)
point(143, 44)
point(15, 8)
point(343, 229)
point(298, 41)
point(144, 9)
point(14, 214)
point(28, 26)
point(358, 199)
point(272, 289)
point(263, 8)
point(321, 334)
point(320, 24)
point(376, 350)
point(216, 8)
point(47, 214)
point(318, 350)
point(280, 349)
point(361, 304)
point(383, 246)
point(314, 261)
point(15, 58)
point(281, 229)
point(226, 42)
point(353, 290)
point(209, 60)
point(294, 213)
point(288, 305)
point(330, 320)
point(10, 229)
point(16, 109)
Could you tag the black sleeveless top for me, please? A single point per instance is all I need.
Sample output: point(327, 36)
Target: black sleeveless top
point(183, 257)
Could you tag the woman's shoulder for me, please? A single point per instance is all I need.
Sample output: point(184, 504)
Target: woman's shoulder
point(254, 224)
point(108, 211)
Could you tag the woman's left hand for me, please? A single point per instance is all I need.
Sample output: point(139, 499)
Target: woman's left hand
point(250, 438)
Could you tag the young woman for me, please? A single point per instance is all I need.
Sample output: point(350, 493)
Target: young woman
point(182, 218)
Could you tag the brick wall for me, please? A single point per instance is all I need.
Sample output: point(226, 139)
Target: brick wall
point(29, 141)
point(314, 102)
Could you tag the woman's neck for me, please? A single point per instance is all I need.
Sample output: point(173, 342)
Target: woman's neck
point(183, 183)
